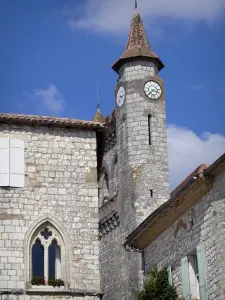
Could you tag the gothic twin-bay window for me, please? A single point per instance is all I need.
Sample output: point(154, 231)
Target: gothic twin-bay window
point(46, 252)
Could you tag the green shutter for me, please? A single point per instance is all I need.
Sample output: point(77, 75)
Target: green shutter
point(169, 271)
point(202, 272)
point(185, 278)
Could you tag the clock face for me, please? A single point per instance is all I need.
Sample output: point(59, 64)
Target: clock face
point(152, 90)
point(120, 97)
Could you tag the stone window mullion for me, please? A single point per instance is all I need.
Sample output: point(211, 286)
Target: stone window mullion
point(46, 262)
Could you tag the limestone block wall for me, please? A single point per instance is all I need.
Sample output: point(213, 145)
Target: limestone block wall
point(61, 188)
point(203, 224)
point(109, 242)
point(148, 163)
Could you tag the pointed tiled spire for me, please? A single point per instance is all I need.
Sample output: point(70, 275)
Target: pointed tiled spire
point(137, 44)
point(98, 116)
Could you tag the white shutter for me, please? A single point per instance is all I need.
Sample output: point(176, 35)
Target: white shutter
point(16, 163)
point(4, 161)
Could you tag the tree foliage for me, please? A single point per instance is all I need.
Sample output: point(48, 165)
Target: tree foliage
point(158, 287)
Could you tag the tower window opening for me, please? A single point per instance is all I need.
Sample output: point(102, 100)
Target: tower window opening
point(151, 193)
point(149, 129)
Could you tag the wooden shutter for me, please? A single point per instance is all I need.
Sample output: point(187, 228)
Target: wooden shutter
point(4, 162)
point(16, 163)
point(185, 278)
point(169, 270)
point(202, 272)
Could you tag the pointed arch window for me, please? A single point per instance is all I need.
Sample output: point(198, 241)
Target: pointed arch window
point(47, 253)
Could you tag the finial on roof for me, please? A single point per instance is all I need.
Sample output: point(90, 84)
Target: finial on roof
point(98, 104)
point(98, 117)
point(135, 4)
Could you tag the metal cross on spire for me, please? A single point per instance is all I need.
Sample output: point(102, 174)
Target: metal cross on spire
point(135, 4)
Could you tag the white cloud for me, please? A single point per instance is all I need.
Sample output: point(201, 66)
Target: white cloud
point(187, 151)
point(50, 99)
point(114, 15)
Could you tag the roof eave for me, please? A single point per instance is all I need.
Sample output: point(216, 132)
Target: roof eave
point(191, 184)
point(49, 121)
point(117, 65)
point(166, 214)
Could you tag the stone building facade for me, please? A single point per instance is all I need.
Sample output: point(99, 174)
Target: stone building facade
point(59, 196)
point(191, 225)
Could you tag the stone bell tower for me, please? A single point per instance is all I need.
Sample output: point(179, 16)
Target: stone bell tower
point(141, 129)
point(142, 166)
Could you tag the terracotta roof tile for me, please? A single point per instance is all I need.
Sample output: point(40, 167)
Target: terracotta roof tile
point(49, 121)
point(200, 169)
point(137, 44)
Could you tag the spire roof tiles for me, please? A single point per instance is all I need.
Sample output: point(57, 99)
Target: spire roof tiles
point(137, 44)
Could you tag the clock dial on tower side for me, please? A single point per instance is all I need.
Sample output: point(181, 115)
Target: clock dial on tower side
point(152, 90)
point(120, 97)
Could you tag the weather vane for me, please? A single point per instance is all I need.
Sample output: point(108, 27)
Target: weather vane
point(135, 4)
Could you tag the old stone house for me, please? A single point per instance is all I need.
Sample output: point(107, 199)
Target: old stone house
point(187, 235)
point(71, 191)
point(49, 206)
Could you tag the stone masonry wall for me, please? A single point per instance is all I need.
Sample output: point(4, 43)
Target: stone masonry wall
point(205, 224)
point(109, 244)
point(61, 185)
point(148, 163)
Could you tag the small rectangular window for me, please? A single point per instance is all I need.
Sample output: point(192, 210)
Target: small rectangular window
point(143, 261)
point(170, 278)
point(4, 162)
point(149, 129)
point(151, 193)
point(16, 163)
point(193, 276)
point(12, 162)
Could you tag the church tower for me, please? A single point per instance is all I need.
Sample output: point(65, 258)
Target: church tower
point(140, 149)
point(141, 128)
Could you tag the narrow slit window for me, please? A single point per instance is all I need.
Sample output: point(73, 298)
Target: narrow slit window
point(149, 129)
point(151, 193)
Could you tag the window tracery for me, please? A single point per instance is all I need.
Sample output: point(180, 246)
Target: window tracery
point(46, 251)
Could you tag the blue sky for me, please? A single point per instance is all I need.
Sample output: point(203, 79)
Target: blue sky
point(53, 52)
